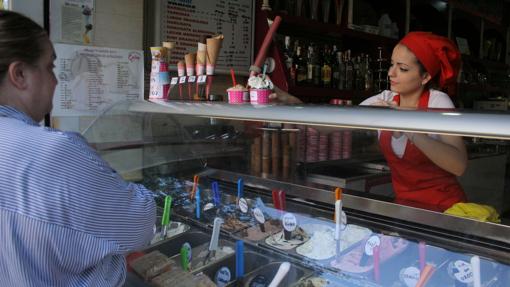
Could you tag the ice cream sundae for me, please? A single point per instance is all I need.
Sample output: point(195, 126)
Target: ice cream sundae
point(260, 89)
point(238, 94)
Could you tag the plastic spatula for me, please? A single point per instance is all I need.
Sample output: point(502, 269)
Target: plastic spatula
point(338, 228)
point(165, 220)
point(475, 266)
point(280, 275)
point(213, 244)
point(239, 259)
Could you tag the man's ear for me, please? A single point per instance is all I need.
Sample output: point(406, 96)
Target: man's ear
point(17, 75)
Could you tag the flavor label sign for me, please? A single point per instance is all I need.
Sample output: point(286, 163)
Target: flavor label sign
point(371, 243)
point(461, 271)
point(410, 276)
point(289, 222)
point(259, 215)
point(243, 205)
point(222, 276)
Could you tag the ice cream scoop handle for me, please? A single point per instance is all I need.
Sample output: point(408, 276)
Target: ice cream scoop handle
point(213, 245)
point(282, 272)
point(475, 265)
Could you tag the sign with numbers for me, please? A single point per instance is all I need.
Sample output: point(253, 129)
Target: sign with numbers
point(186, 21)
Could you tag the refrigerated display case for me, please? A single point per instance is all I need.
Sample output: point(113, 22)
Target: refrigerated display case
point(254, 167)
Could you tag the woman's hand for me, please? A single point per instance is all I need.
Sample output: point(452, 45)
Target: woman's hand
point(280, 96)
point(381, 103)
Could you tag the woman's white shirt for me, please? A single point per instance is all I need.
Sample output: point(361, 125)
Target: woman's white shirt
point(437, 99)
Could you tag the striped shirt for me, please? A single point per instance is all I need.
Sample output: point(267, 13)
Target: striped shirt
point(66, 217)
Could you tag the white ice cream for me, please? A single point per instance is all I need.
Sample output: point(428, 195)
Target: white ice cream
point(260, 82)
point(322, 244)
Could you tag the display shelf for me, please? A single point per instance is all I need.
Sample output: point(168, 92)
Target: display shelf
point(439, 121)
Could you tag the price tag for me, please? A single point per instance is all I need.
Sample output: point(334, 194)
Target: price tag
point(174, 81)
point(192, 79)
point(222, 276)
point(243, 205)
point(259, 215)
point(201, 79)
point(182, 80)
point(461, 271)
point(188, 247)
point(372, 242)
point(410, 276)
point(289, 222)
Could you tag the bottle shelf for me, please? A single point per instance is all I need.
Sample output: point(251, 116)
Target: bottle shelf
point(321, 92)
point(296, 26)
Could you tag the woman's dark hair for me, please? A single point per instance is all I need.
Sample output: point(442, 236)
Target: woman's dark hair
point(434, 82)
point(20, 40)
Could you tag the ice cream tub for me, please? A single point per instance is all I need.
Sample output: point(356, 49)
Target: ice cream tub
point(237, 94)
point(322, 244)
point(259, 96)
point(359, 259)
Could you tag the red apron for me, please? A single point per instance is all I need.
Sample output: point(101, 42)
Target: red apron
point(415, 177)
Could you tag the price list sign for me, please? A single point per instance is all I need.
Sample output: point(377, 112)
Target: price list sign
point(186, 21)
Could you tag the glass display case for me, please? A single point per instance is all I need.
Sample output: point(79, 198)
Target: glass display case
point(304, 191)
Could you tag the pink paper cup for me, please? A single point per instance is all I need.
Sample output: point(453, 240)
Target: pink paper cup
point(235, 97)
point(259, 96)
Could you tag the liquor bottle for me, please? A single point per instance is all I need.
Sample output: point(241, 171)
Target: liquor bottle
point(293, 67)
point(309, 65)
point(287, 53)
point(356, 73)
point(326, 68)
point(369, 78)
point(349, 71)
point(341, 71)
point(317, 67)
point(335, 75)
point(300, 66)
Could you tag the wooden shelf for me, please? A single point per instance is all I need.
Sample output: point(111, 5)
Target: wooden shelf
point(483, 88)
point(322, 93)
point(486, 63)
point(494, 19)
point(300, 26)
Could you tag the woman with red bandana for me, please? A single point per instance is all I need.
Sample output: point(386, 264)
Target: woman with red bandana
point(423, 166)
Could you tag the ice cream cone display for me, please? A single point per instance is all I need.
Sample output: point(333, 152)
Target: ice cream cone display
point(201, 58)
point(181, 68)
point(158, 53)
point(213, 50)
point(190, 63)
point(169, 47)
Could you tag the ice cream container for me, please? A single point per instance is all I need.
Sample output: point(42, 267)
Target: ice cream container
point(360, 258)
point(264, 275)
point(259, 96)
point(235, 96)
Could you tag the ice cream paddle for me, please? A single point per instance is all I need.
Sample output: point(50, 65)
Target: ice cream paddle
point(213, 244)
point(280, 275)
point(165, 220)
point(239, 259)
point(338, 229)
point(197, 202)
point(475, 266)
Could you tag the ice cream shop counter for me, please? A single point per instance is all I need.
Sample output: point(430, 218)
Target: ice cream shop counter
point(246, 197)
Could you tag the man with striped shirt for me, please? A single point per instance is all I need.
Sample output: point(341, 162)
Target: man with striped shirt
point(66, 217)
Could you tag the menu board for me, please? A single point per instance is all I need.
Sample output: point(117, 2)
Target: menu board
point(186, 21)
point(93, 78)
